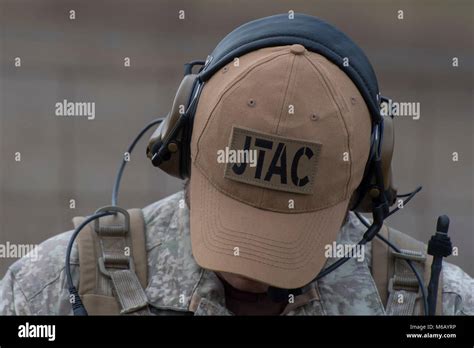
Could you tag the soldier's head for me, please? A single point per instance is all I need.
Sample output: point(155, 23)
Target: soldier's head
point(279, 145)
point(279, 137)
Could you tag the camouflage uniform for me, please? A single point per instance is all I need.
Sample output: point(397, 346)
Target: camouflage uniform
point(177, 285)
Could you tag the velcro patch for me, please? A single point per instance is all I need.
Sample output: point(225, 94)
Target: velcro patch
point(272, 161)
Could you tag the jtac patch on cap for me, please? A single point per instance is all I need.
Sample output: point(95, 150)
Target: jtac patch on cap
point(279, 163)
point(280, 142)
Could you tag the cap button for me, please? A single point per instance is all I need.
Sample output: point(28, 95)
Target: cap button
point(297, 49)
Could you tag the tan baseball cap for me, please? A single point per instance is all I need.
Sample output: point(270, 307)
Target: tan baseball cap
point(305, 130)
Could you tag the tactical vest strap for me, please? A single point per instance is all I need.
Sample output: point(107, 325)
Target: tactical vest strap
point(403, 287)
point(397, 285)
point(380, 264)
point(112, 264)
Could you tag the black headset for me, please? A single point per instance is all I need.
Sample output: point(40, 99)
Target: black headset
point(169, 147)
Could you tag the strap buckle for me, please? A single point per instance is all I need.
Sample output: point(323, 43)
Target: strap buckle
point(400, 280)
point(119, 228)
point(411, 255)
point(106, 270)
point(397, 287)
point(112, 238)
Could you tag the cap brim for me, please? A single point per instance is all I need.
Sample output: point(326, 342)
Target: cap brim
point(282, 250)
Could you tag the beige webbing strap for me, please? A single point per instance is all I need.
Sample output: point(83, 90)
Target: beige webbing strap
point(395, 280)
point(130, 294)
point(112, 259)
point(403, 286)
point(380, 264)
point(401, 302)
point(94, 288)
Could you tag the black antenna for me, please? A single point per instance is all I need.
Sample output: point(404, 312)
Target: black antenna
point(439, 246)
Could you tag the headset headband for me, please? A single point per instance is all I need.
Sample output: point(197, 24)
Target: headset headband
point(315, 34)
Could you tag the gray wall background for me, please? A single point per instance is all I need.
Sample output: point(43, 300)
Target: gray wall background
point(82, 60)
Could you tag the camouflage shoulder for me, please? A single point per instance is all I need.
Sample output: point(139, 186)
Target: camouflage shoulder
point(36, 283)
point(173, 275)
point(159, 216)
point(458, 291)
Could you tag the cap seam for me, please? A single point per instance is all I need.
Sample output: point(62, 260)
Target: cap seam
point(262, 195)
point(341, 117)
point(211, 242)
point(294, 87)
point(285, 246)
point(255, 257)
point(231, 84)
point(286, 93)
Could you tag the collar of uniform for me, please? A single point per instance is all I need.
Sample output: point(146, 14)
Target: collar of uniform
point(303, 303)
point(208, 297)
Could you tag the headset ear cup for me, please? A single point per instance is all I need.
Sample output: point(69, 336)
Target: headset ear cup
point(171, 162)
point(388, 143)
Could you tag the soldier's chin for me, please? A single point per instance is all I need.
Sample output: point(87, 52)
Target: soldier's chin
point(243, 283)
